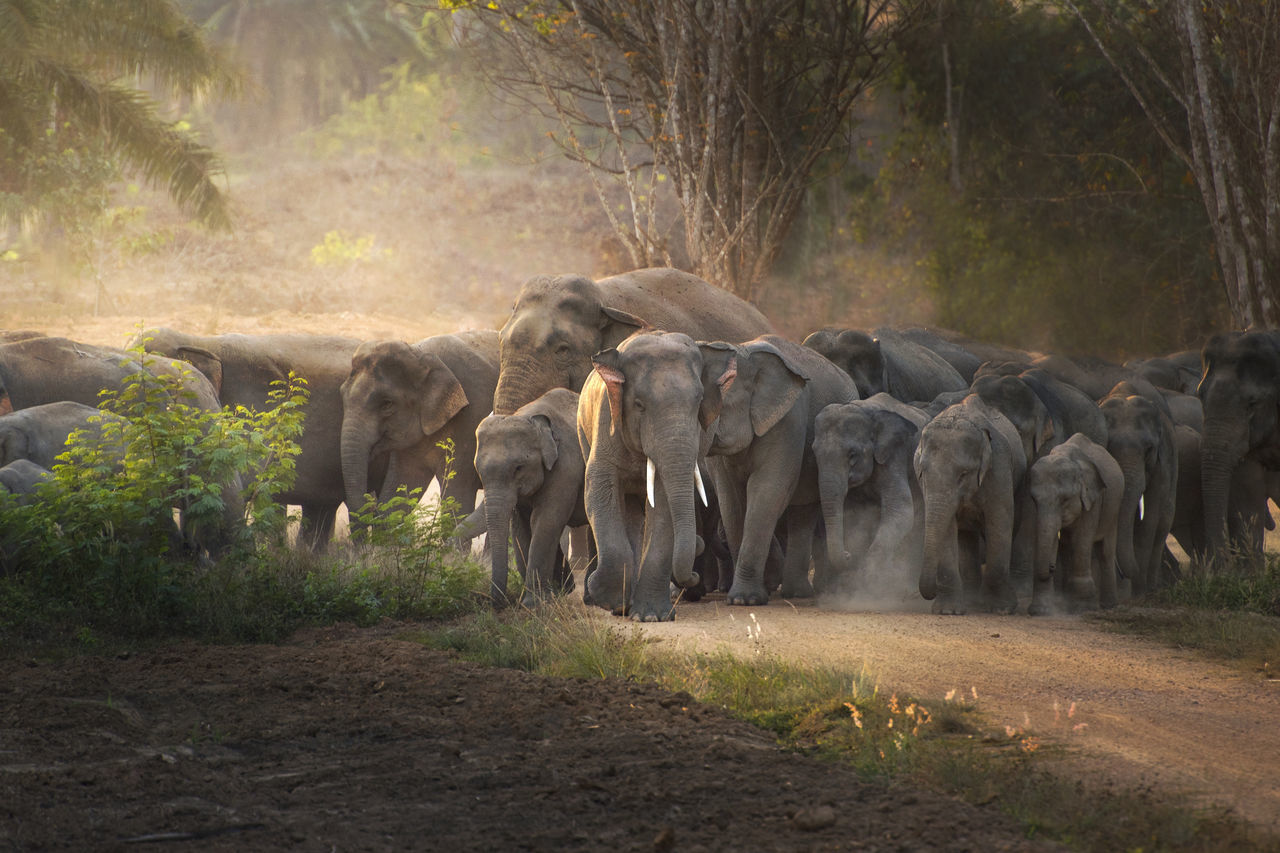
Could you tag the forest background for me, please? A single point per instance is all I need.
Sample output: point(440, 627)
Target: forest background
point(994, 175)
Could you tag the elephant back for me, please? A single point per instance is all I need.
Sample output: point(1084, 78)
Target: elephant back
point(677, 301)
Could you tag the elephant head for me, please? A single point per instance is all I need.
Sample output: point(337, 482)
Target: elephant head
point(514, 454)
point(850, 441)
point(764, 385)
point(1240, 392)
point(556, 325)
point(395, 398)
point(1016, 400)
point(1064, 485)
point(857, 354)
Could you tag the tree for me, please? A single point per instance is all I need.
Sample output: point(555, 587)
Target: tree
point(1215, 102)
point(735, 101)
point(65, 115)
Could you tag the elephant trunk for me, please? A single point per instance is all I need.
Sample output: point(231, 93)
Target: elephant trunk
point(833, 488)
point(678, 483)
point(521, 380)
point(498, 506)
point(356, 445)
point(1048, 526)
point(1220, 452)
point(939, 513)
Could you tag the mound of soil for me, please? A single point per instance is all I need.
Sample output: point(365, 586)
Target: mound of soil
point(355, 739)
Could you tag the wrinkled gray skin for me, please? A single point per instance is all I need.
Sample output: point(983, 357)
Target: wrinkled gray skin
point(970, 465)
point(1240, 390)
point(242, 368)
point(761, 455)
point(1178, 371)
point(1076, 490)
point(871, 501)
point(1096, 377)
point(1140, 437)
point(643, 405)
point(886, 362)
point(963, 353)
point(559, 322)
point(1070, 410)
point(43, 369)
point(401, 401)
point(1251, 486)
point(530, 464)
point(39, 433)
point(23, 477)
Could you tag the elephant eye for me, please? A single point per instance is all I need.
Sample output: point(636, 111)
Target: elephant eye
point(638, 403)
point(386, 406)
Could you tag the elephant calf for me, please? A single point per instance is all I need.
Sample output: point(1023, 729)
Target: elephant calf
point(531, 467)
point(1077, 489)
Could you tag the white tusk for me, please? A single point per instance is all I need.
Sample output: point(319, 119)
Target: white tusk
point(1142, 504)
point(648, 481)
point(702, 490)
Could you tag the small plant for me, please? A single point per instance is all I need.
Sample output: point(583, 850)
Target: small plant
point(337, 249)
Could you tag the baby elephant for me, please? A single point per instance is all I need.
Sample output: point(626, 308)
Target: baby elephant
point(531, 468)
point(1077, 489)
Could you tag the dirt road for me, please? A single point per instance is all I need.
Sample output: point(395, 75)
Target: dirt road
point(1140, 712)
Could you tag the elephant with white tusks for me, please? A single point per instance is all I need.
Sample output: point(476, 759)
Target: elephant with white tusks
point(1076, 490)
point(871, 501)
point(641, 429)
point(971, 468)
point(531, 467)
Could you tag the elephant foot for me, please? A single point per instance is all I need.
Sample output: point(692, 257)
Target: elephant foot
point(946, 605)
point(748, 595)
point(797, 589)
point(1038, 608)
point(652, 611)
point(606, 595)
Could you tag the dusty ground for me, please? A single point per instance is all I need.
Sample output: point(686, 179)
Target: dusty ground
point(351, 739)
point(362, 740)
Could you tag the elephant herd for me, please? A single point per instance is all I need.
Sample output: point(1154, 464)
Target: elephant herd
point(703, 451)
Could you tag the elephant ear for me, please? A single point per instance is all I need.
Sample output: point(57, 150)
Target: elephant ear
point(984, 464)
point(719, 370)
point(546, 441)
point(608, 366)
point(1090, 486)
point(776, 388)
point(13, 445)
point(206, 362)
point(440, 394)
point(617, 325)
point(893, 432)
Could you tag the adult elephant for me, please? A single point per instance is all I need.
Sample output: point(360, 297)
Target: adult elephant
point(970, 465)
point(401, 402)
point(39, 434)
point(1076, 490)
point(884, 361)
point(242, 370)
point(871, 502)
point(1177, 371)
point(559, 322)
point(1141, 437)
point(964, 353)
point(641, 420)
point(46, 369)
point(531, 468)
point(1240, 390)
point(761, 457)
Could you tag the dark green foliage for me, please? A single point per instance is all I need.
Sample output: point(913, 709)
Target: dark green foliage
point(1061, 221)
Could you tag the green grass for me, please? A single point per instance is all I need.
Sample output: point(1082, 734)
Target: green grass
point(845, 716)
point(1232, 615)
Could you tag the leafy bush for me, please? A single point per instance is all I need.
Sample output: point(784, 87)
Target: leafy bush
point(98, 553)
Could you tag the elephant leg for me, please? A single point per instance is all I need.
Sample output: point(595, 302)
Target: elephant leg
point(650, 598)
point(959, 568)
point(801, 521)
point(318, 521)
point(544, 553)
point(1022, 553)
point(520, 536)
point(609, 511)
point(861, 521)
point(997, 592)
point(764, 506)
point(1081, 592)
point(579, 548)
